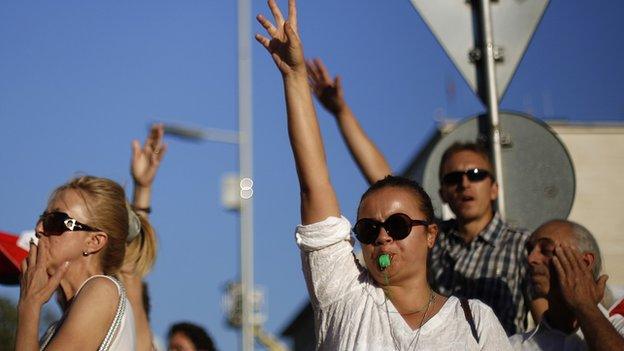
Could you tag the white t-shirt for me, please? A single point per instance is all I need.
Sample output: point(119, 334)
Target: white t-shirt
point(352, 313)
point(546, 338)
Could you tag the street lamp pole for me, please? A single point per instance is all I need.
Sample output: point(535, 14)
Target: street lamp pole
point(244, 139)
point(246, 166)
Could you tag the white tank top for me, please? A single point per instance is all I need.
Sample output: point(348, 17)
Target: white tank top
point(121, 334)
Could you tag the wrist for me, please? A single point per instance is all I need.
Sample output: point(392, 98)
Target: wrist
point(142, 187)
point(142, 197)
point(145, 209)
point(296, 76)
point(341, 112)
point(585, 309)
point(28, 309)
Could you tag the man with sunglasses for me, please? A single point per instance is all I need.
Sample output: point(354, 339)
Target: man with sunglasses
point(477, 255)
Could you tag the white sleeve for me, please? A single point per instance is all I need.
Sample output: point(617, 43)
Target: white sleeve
point(329, 265)
point(319, 235)
point(492, 336)
point(617, 321)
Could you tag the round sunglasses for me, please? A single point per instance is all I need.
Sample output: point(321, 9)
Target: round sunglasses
point(57, 223)
point(473, 175)
point(398, 226)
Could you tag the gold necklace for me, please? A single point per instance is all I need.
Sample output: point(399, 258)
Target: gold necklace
point(424, 306)
point(422, 320)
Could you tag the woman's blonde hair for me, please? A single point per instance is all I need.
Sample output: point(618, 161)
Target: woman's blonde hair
point(107, 208)
point(142, 250)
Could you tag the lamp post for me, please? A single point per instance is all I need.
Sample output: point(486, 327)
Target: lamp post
point(243, 137)
point(245, 149)
point(243, 205)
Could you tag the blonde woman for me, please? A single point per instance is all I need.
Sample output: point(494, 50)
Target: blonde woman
point(85, 234)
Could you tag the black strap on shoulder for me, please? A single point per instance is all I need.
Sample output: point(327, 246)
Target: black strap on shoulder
point(468, 313)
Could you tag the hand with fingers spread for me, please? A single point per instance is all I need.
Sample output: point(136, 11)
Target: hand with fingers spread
point(36, 286)
point(578, 287)
point(146, 159)
point(318, 199)
point(327, 90)
point(284, 43)
point(144, 166)
point(371, 162)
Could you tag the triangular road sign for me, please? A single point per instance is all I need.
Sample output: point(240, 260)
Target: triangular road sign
point(453, 24)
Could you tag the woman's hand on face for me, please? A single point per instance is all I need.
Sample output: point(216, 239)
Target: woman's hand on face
point(146, 159)
point(36, 286)
point(284, 44)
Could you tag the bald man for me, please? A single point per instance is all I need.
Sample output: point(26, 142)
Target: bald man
point(564, 264)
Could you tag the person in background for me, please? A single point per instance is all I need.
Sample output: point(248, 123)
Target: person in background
point(565, 264)
point(477, 255)
point(144, 165)
point(186, 336)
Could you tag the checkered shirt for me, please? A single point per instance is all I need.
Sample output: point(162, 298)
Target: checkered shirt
point(491, 268)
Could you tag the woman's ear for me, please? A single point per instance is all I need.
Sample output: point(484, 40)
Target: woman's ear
point(432, 235)
point(96, 241)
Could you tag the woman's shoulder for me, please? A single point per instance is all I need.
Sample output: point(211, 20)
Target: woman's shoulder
point(99, 285)
point(90, 314)
point(98, 296)
point(485, 321)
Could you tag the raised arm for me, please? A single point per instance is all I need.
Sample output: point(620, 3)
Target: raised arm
point(328, 91)
point(318, 199)
point(144, 166)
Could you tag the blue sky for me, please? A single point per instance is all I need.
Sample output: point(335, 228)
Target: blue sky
point(81, 79)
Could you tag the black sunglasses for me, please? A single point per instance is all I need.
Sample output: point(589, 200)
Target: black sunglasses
point(474, 175)
point(57, 223)
point(398, 226)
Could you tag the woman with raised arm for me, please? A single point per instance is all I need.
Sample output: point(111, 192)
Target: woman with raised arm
point(86, 233)
point(387, 305)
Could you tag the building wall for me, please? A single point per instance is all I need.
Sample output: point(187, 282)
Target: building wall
point(598, 155)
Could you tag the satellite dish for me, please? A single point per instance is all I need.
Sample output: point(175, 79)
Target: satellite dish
point(537, 169)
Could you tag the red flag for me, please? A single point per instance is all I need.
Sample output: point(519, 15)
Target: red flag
point(11, 256)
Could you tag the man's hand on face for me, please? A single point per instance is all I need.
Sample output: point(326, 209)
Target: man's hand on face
point(577, 285)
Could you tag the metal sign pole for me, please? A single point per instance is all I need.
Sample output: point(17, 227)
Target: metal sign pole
point(489, 73)
point(245, 158)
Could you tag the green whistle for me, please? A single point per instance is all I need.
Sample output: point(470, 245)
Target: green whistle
point(384, 261)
